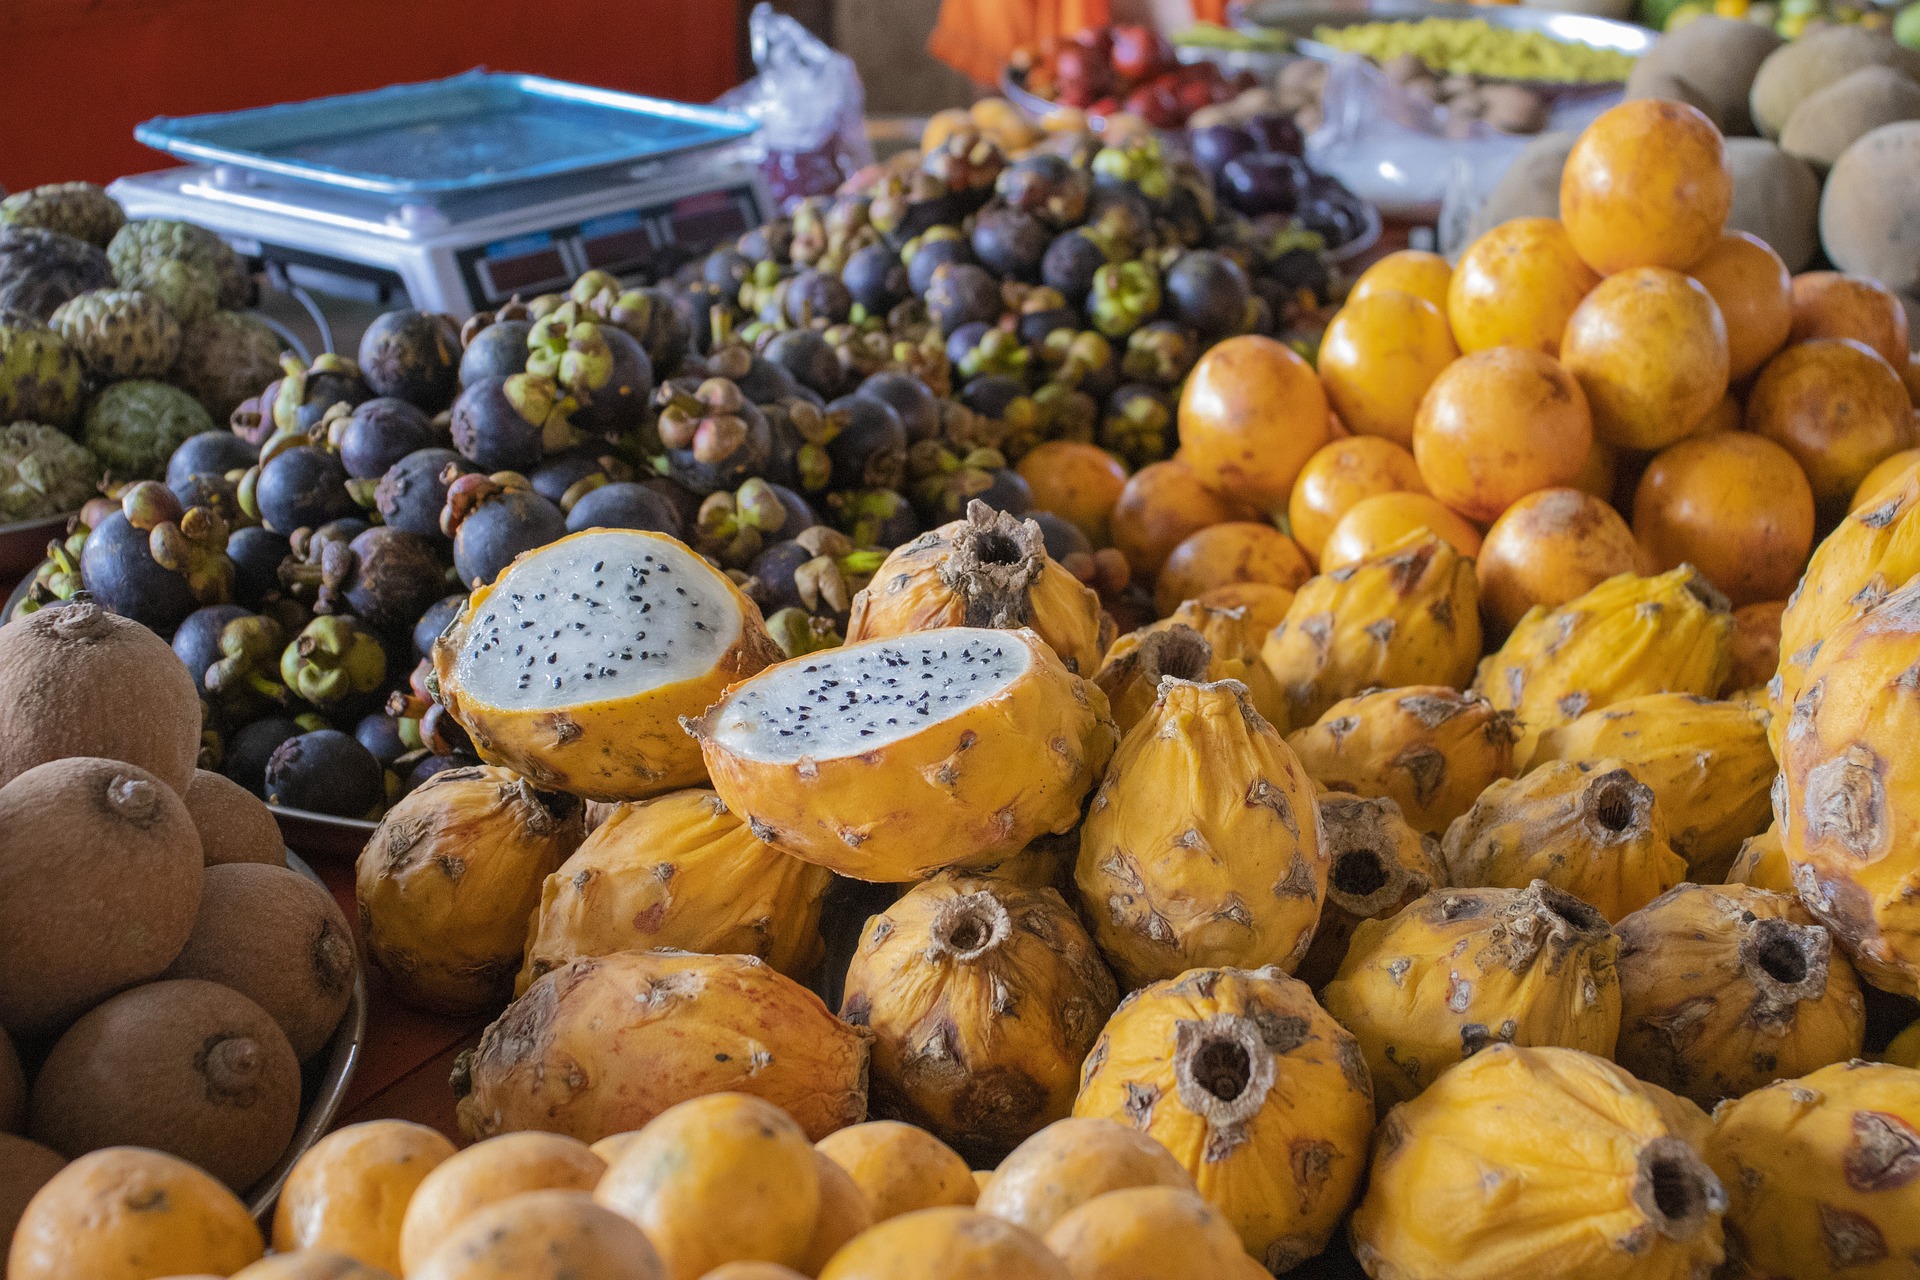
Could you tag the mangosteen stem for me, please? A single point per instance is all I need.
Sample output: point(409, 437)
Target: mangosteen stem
point(1787, 963)
point(1222, 1069)
point(969, 926)
point(1675, 1189)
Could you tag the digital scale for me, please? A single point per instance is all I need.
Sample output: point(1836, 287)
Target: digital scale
point(458, 194)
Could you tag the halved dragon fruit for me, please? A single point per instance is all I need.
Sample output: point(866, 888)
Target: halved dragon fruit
point(890, 760)
point(575, 666)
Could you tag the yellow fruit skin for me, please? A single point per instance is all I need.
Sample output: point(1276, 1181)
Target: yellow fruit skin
point(485, 1174)
point(1726, 988)
point(1146, 1233)
point(1707, 761)
point(449, 878)
point(984, 998)
point(126, 1213)
point(1848, 821)
point(1540, 1162)
point(687, 1025)
point(900, 1168)
point(545, 1235)
point(1202, 846)
point(976, 788)
point(1376, 864)
point(310, 1264)
point(1594, 833)
point(1762, 863)
point(349, 1192)
point(723, 1178)
point(1465, 968)
point(845, 1211)
point(1233, 635)
point(958, 576)
point(680, 872)
point(1409, 615)
point(1131, 673)
point(1073, 1161)
point(1628, 636)
point(1430, 748)
point(626, 749)
point(1875, 550)
point(1823, 1174)
point(1248, 1082)
point(945, 1244)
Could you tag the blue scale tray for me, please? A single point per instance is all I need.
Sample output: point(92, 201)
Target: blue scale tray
point(464, 134)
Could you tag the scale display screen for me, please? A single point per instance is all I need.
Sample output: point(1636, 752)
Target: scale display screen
point(644, 242)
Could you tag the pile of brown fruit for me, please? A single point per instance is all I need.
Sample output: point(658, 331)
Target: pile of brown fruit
point(164, 975)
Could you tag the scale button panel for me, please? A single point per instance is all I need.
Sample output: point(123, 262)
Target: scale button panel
point(629, 243)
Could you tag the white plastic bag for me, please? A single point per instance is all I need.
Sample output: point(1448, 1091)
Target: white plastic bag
point(809, 103)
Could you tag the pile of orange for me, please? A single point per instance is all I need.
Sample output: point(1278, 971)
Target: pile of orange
point(1627, 387)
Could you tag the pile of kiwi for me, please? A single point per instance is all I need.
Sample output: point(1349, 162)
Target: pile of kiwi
point(163, 973)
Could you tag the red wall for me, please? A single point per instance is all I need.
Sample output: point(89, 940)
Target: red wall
point(79, 74)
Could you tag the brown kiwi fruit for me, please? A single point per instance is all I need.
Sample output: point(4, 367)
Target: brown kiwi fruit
point(278, 939)
point(13, 1088)
point(190, 1068)
point(234, 824)
point(99, 882)
point(25, 1167)
point(65, 675)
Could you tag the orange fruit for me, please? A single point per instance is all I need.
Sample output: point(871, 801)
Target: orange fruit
point(1373, 524)
point(1601, 472)
point(1756, 645)
point(1266, 604)
point(1724, 416)
point(1650, 350)
point(1890, 468)
point(1414, 271)
point(1077, 482)
point(1646, 185)
point(1753, 290)
point(1222, 554)
point(1159, 506)
point(1548, 548)
point(1831, 304)
point(1515, 287)
point(1378, 357)
point(1837, 407)
point(1339, 475)
point(1734, 505)
point(1497, 425)
point(1251, 415)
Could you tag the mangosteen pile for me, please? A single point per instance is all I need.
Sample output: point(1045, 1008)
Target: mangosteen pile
point(792, 405)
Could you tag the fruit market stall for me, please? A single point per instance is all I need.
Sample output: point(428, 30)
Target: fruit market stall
point(1060, 709)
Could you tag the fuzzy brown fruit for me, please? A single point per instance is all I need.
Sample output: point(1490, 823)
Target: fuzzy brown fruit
point(234, 824)
point(984, 998)
point(100, 874)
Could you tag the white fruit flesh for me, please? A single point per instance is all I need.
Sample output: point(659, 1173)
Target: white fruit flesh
point(849, 701)
point(604, 616)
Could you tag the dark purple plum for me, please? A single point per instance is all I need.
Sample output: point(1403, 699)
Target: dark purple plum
point(815, 295)
point(870, 450)
point(619, 403)
point(395, 576)
point(684, 501)
point(325, 771)
point(624, 505)
point(1275, 133)
point(806, 355)
point(1208, 292)
point(1070, 262)
point(434, 621)
point(302, 487)
point(500, 528)
point(210, 453)
point(256, 554)
point(991, 393)
point(1009, 492)
point(250, 748)
point(933, 252)
point(965, 339)
point(1010, 242)
point(412, 492)
point(1263, 183)
point(1216, 144)
point(412, 356)
point(491, 424)
point(197, 640)
point(497, 351)
point(1061, 536)
point(559, 472)
point(379, 433)
point(428, 766)
point(216, 493)
point(766, 382)
point(379, 733)
point(876, 278)
point(912, 399)
point(961, 293)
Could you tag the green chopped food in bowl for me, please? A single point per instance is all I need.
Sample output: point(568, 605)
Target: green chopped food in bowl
point(1472, 46)
point(1211, 35)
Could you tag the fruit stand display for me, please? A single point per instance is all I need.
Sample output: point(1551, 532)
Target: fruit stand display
point(1020, 719)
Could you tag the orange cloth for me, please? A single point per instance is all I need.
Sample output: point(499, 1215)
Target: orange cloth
point(977, 37)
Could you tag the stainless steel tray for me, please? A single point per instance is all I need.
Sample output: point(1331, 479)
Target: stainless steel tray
point(328, 1076)
point(462, 134)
